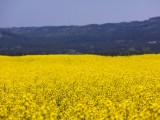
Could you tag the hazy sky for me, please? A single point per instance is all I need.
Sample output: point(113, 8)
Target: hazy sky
point(16, 13)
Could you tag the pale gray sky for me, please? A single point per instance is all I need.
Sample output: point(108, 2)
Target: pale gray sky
point(16, 13)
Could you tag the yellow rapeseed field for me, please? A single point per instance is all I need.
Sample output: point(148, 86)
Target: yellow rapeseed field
point(80, 87)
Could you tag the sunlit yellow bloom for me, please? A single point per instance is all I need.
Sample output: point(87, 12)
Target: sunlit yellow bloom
point(80, 87)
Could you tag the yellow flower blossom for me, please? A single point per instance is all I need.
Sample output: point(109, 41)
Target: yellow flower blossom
point(80, 87)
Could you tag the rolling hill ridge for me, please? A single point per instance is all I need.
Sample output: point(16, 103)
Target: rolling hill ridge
point(125, 38)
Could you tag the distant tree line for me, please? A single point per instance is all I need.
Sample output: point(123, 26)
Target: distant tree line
point(126, 38)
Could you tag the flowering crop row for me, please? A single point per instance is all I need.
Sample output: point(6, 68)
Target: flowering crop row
point(83, 87)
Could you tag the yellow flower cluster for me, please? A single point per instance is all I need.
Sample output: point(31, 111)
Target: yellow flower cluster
point(80, 87)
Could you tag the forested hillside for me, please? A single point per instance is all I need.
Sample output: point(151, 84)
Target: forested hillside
point(123, 38)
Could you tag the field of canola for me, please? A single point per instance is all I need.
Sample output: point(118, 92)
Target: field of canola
point(80, 87)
